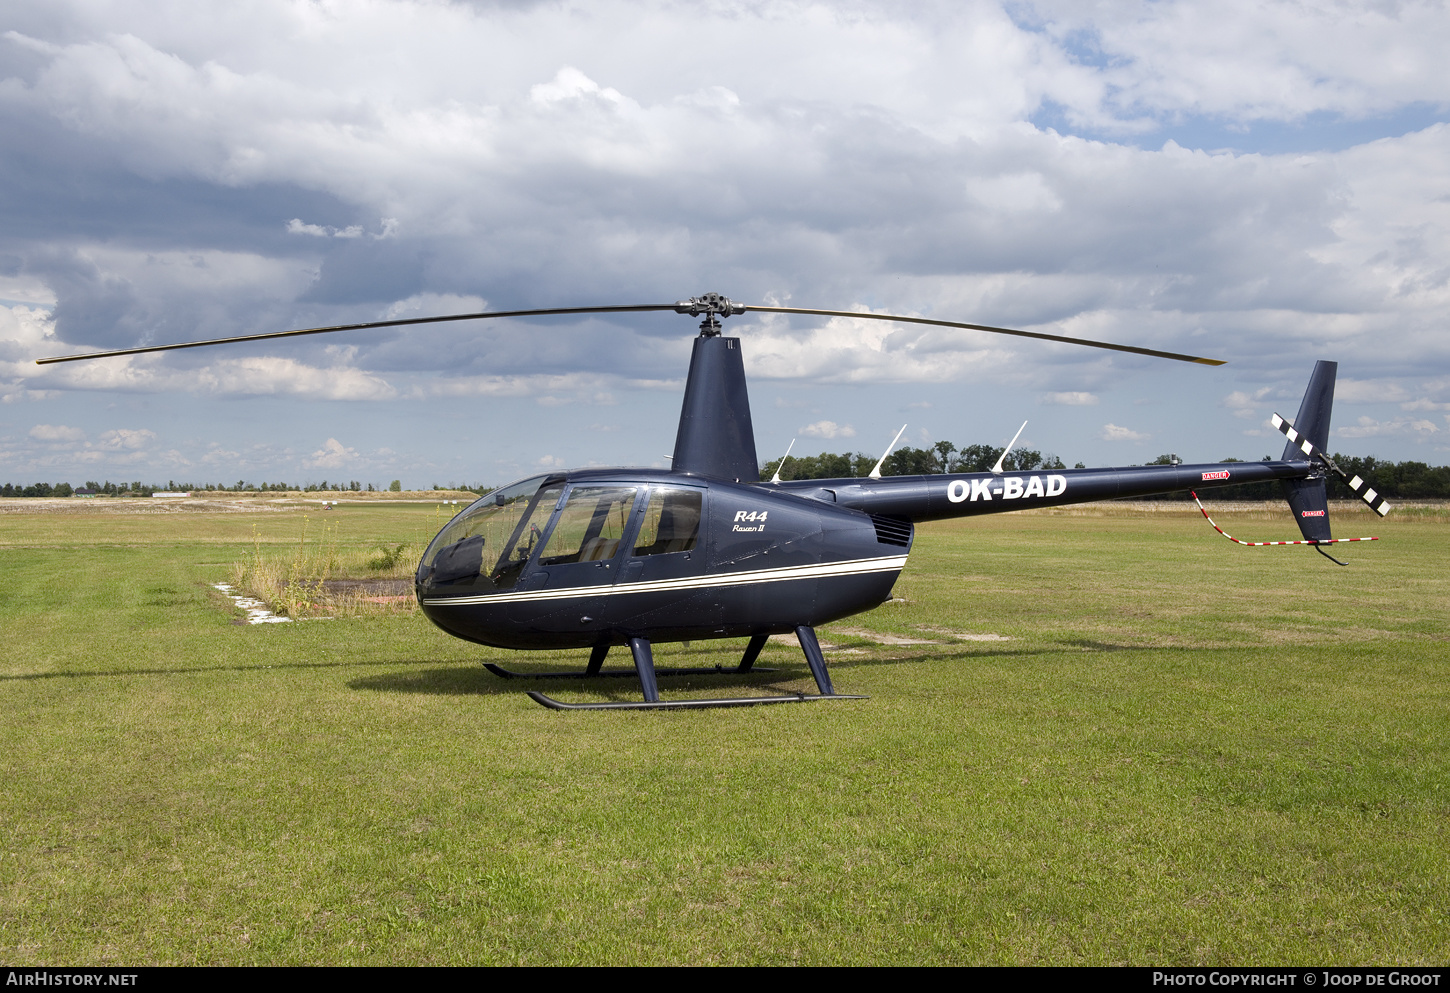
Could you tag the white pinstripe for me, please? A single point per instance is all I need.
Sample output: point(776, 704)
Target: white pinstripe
point(854, 567)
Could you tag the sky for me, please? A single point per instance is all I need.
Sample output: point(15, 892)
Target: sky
point(1266, 183)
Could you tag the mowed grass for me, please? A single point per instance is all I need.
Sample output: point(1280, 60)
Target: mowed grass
point(1185, 752)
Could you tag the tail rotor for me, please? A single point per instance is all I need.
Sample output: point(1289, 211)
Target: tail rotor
point(1308, 496)
point(1356, 485)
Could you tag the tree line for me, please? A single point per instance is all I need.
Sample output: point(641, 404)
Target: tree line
point(108, 488)
point(940, 457)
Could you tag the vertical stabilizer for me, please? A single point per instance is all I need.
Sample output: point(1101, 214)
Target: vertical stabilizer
point(716, 437)
point(1309, 498)
point(1313, 420)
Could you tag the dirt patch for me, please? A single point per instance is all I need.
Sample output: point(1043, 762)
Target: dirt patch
point(969, 636)
point(896, 640)
point(370, 590)
point(789, 640)
point(884, 639)
point(892, 640)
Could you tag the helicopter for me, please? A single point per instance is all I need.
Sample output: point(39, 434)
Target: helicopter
point(602, 558)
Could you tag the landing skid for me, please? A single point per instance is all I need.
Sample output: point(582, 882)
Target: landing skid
point(644, 669)
point(742, 701)
point(718, 670)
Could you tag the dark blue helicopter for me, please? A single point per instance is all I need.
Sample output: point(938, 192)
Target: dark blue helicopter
point(599, 558)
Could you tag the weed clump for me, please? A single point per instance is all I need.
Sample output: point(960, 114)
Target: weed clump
point(318, 575)
point(388, 558)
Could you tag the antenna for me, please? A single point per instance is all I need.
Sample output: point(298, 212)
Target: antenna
point(776, 477)
point(997, 469)
point(876, 473)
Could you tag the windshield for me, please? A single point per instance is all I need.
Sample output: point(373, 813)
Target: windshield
point(487, 545)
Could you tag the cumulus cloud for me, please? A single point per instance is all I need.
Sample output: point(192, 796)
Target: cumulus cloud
point(23, 330)
point(571, 84)
point(597, 399)
point(827, 429)
point(332, 455)
point(849, 350)
point(431, 304)
point(1245, 404)
point(1071, 399)
point(1424, 405)
point(296, 226)
point(56, 432)
point(257, 376)
point(546, 390)
point(1369, 391)
point(268, 375)
point(1253, 60)
point(1112, 432)
point(1369, 427)
point(125, 439)
point(50, 448)
point(219, 456)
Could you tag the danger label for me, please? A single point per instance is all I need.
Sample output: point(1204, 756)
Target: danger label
point(1311, 513)
point(1221, 474)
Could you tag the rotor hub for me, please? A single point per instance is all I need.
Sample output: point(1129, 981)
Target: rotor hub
point(713, 306)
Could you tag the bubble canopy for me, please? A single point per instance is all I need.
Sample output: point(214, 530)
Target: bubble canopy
point(561, 522)
point(486, 546)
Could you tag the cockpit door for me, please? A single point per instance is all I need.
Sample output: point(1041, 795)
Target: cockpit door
point(669, 541)
point(586, 542)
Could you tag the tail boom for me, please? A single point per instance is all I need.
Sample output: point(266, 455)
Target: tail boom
point(938, 497)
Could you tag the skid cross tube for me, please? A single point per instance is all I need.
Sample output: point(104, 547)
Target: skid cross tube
point(718, 670)
point(597, 655)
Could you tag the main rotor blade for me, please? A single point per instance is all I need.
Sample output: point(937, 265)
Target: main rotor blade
point(986, 327)
point(628, 309)
point(636, 308)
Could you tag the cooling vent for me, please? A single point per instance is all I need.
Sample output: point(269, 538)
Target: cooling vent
point(890, 531)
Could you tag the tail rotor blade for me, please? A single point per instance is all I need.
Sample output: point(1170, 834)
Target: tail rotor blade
point(1357, 485)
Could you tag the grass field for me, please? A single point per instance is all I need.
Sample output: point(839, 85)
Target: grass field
point(1175, 751)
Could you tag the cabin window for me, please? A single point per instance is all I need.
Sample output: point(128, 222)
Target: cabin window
point(590, 525)
point(671, 522)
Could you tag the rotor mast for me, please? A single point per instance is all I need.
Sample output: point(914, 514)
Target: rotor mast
point(716, 437)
